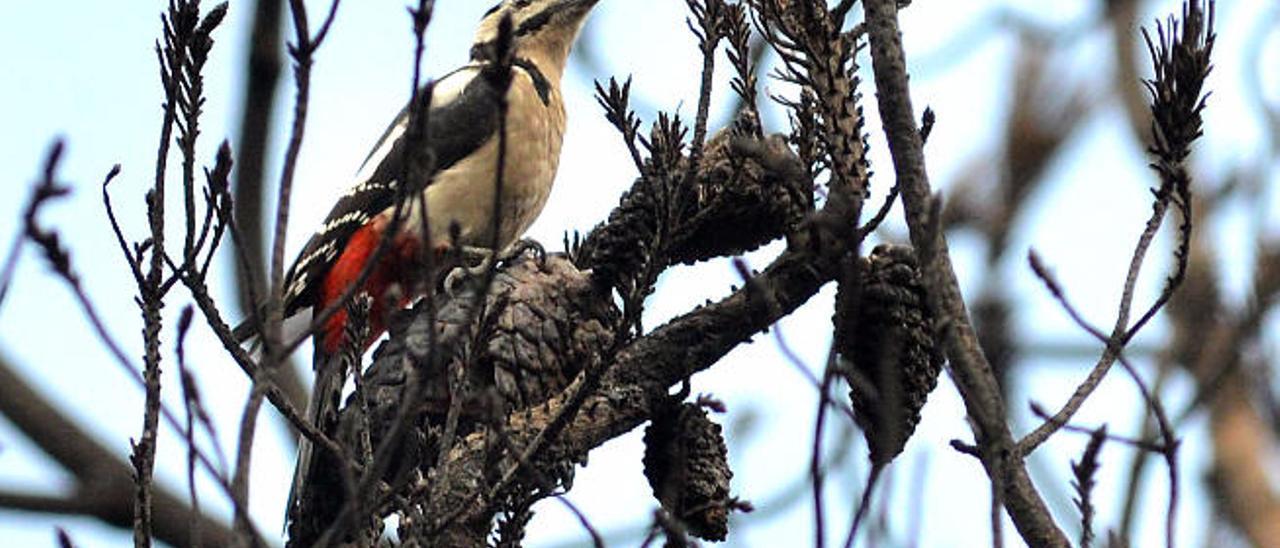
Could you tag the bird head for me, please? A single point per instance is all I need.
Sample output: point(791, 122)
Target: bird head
point(544, 30)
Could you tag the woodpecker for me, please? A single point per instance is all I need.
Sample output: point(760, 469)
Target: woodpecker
point(461, 145)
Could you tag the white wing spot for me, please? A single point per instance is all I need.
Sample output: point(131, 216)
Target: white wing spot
point(357, 217)
point(366, 186)
point(326, 252)
point(296, 288)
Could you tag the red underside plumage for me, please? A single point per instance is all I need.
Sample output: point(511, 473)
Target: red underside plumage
point(390, 284)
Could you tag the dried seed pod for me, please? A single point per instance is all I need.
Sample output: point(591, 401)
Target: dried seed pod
point(618, 247)
point(737, 202)
point(884, 336)
point(745, 192)
point(552, 324)
point(686, 461)
point(538, 325)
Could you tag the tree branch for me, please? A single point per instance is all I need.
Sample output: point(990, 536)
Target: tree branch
point(969, 367)
point(104, 482)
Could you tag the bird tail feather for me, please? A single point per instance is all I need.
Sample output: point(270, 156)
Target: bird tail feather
point(321, 411)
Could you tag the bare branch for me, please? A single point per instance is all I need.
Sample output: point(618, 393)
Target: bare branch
point(969, 368)
point(104, 482)
point(1181, 65)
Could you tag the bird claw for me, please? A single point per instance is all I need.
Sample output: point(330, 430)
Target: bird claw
point(481, 260)
point(522, 246)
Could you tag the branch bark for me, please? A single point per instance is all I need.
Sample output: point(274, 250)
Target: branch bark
point(638, 381)
point(969, 367)
point(104, 482)
point(606, 399)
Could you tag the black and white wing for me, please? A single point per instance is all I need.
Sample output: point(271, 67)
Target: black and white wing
point(463, 116)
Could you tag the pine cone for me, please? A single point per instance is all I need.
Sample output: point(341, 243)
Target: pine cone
point(736, 201)
point(534, 330)
point(737, 204)
point(884, 335)
point(617, 248)
point(687, 464)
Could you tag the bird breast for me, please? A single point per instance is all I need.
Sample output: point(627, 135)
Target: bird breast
point(465, 193)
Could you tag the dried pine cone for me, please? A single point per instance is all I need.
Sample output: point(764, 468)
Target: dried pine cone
point(746, 192)
point(738, 204)
point(687, 464)
point(884, 333)
point(554, 322)
point(617, 248)
point(534, 330)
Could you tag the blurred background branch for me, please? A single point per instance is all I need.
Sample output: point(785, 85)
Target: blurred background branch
point(1056, 161)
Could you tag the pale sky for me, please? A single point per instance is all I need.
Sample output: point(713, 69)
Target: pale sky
point(85, 71)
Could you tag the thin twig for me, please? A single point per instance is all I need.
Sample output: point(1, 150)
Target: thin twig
point(244, 447)
point(58, 258)
point(864, 505)
point(711, 19)
point(816, 472)
point(172, 58)
point(301, 51)
point(1085, 471)
point(926, 127)
point(969, 367)
point(188, 400)
point(615, 102)
point(1181, 65)
point(1139, 443)
point(596, 540)
point(1170, 446)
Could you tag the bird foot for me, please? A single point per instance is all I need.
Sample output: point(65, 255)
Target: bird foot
point(477, 262)
point(522, 246)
